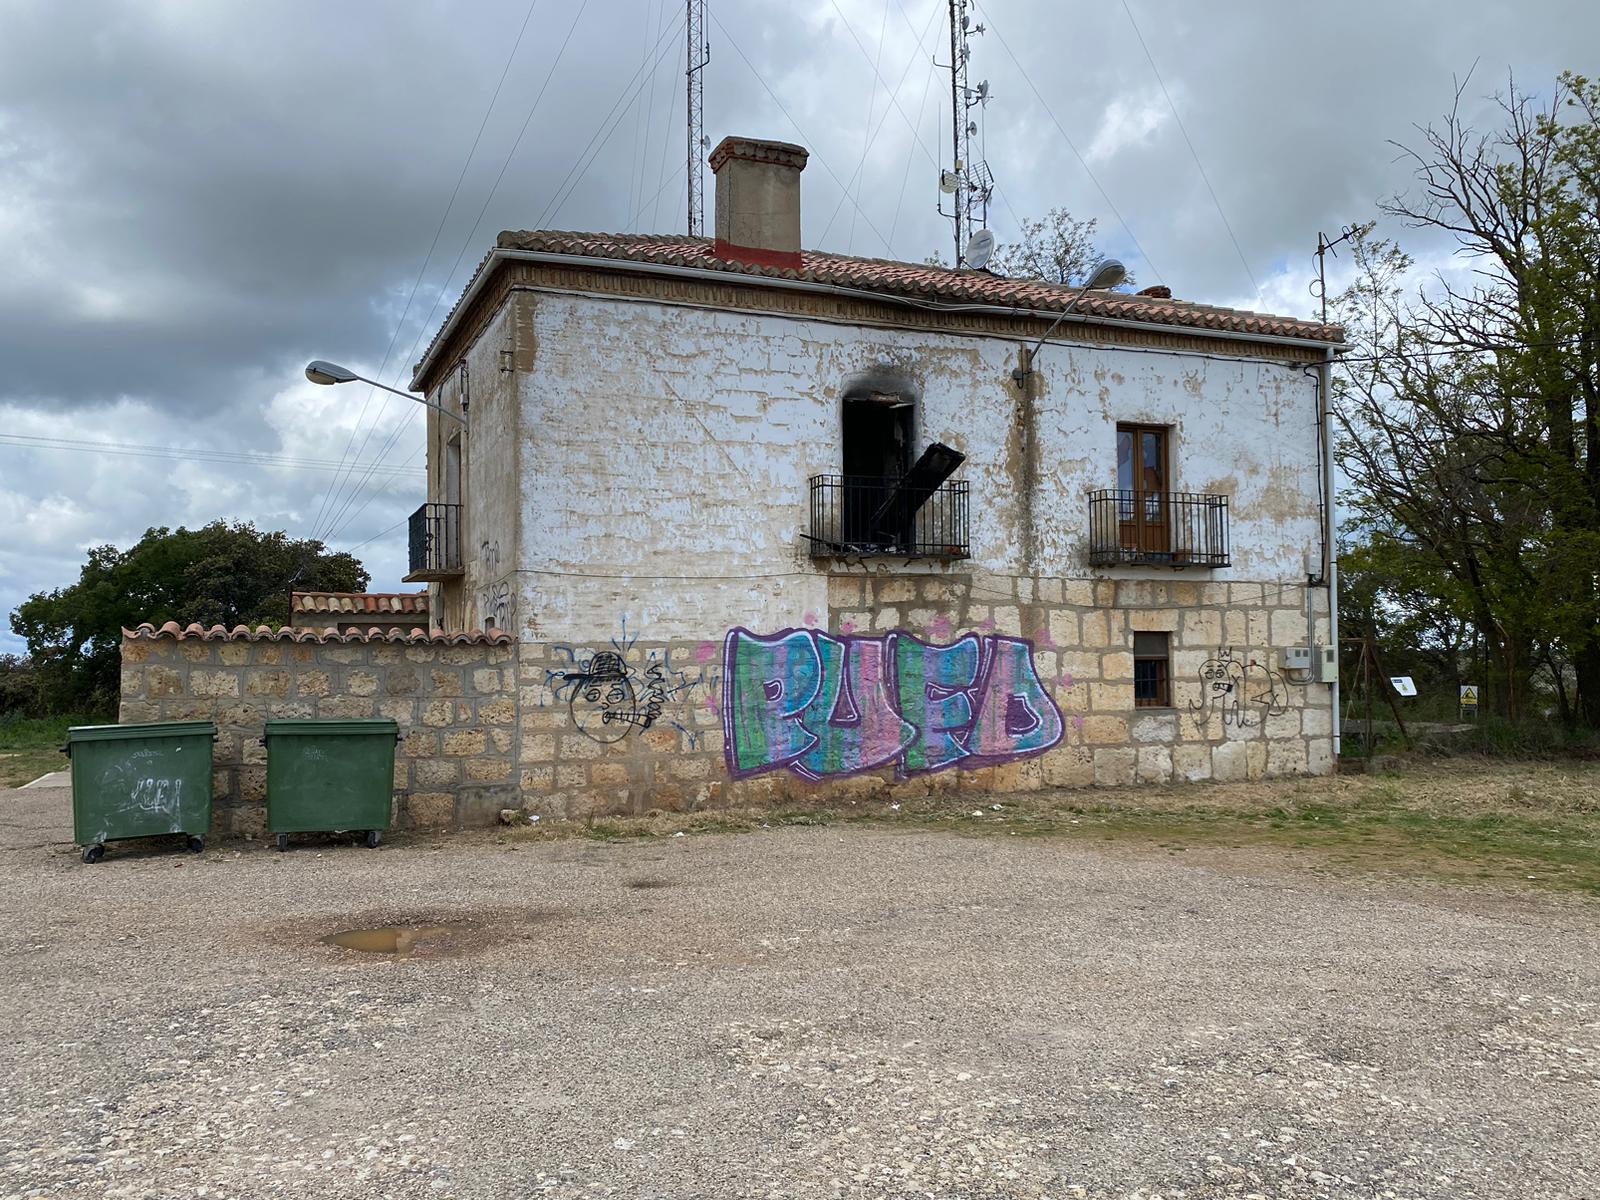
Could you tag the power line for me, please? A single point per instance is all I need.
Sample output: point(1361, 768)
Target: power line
point(1226, 224)
point(1071, 145)
point(815, 153)
point(189, 454)
point(905, 175)
point(607, 127)
point(427, 259)
point(910, 62)
point(376, 536)
point(868, 134)
point(427, 322)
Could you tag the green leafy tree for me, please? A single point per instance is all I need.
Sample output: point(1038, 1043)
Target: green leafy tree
point(1469, 411)
point(220, 574)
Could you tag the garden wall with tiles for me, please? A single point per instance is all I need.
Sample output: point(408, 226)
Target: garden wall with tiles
point(453, 697)
point(914, 684)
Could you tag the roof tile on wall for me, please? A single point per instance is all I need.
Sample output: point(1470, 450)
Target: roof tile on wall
point(264, 633)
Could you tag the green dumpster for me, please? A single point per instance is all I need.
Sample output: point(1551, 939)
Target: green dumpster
point(326, 776)
point(132, 781)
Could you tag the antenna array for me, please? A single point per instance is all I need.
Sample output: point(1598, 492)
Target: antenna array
point(968, 183)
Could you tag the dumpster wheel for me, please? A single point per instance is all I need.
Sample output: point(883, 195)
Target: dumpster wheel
point(374, 836)
point(94, 853)
point(196, 844)
point(283, 842)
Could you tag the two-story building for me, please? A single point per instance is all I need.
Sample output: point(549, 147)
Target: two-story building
point(765, 521)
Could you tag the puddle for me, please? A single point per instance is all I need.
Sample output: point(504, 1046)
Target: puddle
point(640, 885)
point(399, 940)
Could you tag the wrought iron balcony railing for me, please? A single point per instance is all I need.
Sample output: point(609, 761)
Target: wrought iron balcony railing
point(859, 514)
point(1164, 529)
point(435, 538)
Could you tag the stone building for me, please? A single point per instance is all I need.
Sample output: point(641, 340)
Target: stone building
point(764, 521)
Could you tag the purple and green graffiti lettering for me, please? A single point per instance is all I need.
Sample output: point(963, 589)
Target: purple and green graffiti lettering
point(825, 705)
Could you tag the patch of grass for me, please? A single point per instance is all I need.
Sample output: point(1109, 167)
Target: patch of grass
point(1527, 825)
point(18, 767)
point(31, 747)
point(39, 733)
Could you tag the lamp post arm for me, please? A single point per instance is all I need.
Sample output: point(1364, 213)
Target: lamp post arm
point(414, 397)
point(1021, 373)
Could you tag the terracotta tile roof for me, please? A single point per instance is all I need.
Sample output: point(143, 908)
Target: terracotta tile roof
point(910, 280)
point(360, 603)
point(262, 633)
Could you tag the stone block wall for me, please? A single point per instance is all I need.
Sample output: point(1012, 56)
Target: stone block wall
point(632, 724)
point(453, 698)
point(910, 684)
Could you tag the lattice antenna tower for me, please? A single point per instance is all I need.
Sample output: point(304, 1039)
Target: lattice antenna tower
point(968, 183)
point(698, 55)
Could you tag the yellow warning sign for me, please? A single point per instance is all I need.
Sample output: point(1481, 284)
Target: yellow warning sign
point(1469, 695)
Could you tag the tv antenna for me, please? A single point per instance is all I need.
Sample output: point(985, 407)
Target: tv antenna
point(968, 183)
point(699, 54)
point(1319, 285)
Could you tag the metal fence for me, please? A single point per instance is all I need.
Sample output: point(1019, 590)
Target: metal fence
point(435, 538)
point(1169, 529)
point(853, 514)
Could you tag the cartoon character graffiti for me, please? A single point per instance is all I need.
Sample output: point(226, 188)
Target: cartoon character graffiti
point(822, 705)
point(1232, 687)
point(604, 703)
point(610, 693)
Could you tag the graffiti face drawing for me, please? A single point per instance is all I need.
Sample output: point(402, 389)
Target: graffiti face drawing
point(603, 704)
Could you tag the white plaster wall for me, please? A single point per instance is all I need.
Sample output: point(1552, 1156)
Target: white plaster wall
point(666, 452)
point(1246, 430)
point(491, 500)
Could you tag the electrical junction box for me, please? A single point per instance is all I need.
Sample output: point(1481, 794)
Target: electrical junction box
point(1326, 668)
point(1297, 658)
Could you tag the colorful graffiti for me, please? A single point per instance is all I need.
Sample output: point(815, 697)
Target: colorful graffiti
point(824, 705)
point(1233, 687)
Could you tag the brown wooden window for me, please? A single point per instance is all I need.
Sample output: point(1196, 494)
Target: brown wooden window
point(1152, 675)
point(1144, 487)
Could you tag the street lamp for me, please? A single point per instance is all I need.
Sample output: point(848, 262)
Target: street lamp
point(329, 373)
point(1107, 273)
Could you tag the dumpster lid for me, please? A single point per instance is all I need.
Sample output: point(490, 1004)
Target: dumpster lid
point(151, 729)
point(366, 725)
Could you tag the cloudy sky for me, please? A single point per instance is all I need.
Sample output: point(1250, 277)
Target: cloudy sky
point(196, 198)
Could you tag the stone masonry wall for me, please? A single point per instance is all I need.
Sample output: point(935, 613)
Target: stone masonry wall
point(632, 724)
point(453, 698)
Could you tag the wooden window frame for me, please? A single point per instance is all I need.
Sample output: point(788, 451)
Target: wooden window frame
point(1163, 680)
point(1146, 529)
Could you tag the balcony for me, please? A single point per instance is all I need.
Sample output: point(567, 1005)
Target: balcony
point(1158, 529)
point(435, 539)
point(867, 515)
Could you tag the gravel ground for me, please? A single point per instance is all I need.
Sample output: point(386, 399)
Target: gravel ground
point(794, 1013)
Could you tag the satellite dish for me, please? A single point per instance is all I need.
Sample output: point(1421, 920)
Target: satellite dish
point(979, 249)
point(949, 181)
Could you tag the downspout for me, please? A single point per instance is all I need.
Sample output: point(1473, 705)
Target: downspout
point(1330, 557)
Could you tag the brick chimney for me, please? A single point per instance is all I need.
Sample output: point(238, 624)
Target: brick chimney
point(758, 201)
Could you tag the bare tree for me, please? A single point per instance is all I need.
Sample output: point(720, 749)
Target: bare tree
point(1469, 410)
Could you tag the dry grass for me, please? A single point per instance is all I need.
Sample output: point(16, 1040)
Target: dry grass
point(1523, 824)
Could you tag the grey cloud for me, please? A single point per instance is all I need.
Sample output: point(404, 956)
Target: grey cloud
point(198, 199)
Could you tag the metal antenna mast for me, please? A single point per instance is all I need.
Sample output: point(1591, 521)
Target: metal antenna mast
point(968, 183)
point(699, 54)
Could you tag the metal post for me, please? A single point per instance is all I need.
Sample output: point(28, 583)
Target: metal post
point(698, 54)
